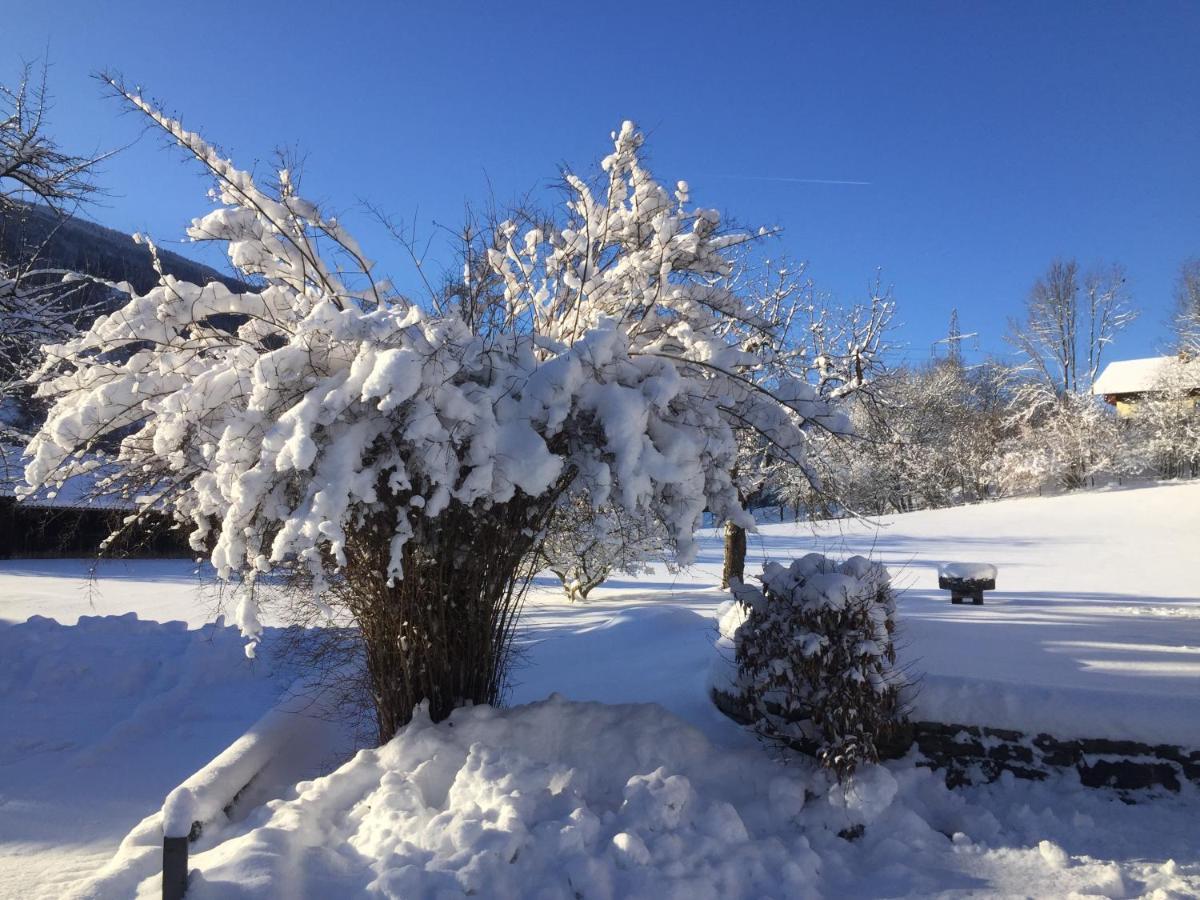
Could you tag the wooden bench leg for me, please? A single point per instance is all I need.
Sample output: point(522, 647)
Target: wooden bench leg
point(956, 598)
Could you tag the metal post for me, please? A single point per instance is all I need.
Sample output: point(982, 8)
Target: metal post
point(175, 868)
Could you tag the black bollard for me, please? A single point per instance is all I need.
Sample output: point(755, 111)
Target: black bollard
point(175, 868)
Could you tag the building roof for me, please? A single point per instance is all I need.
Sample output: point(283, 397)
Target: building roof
point(76, 493)
point(1139, 376)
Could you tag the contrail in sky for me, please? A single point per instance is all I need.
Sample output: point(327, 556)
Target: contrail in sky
point(791, 179)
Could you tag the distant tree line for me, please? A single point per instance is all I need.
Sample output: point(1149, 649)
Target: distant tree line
point(949, 433)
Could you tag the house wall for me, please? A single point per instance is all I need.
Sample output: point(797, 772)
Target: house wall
point(1127, 405)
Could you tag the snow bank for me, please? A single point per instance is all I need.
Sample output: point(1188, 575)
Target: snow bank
point(296, 739)
point(554, 799)
point(585, 801)
point(98, 721)
point(296, 734)
point(109, 680)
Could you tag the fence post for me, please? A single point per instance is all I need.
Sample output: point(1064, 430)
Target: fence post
point(175, 868)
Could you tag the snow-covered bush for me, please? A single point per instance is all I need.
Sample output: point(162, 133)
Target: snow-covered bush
point(408, 458)
point(1076, 433)
point(815, 657)
point(584, 545)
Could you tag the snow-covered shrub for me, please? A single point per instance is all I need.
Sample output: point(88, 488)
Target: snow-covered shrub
point(584, 545)
point(1079, 435)
point(408, 457)
point(815, 657)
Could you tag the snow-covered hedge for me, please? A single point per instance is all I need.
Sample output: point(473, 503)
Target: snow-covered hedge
point(815, 657)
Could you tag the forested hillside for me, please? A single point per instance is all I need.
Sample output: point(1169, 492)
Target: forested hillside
point(39, 234)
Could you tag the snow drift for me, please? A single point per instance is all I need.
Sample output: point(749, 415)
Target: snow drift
point(580, 801)
point(553, 799)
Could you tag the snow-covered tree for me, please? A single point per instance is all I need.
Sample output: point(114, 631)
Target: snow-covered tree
point(925, 437)
point(1069, 323)
point(29, 157)
point(1081, 437)
point(850, 344)
point(37, 306)
point(1162, 437)
point(840, 351)
point(584, 545)
point(410, 459)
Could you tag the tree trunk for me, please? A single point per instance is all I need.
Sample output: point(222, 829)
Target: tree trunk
point(442, 633)
point(735, 554)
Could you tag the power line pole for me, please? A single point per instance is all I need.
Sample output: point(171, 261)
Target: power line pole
point(953, 340)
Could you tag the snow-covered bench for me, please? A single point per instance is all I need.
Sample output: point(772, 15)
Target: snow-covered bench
point(967, 580)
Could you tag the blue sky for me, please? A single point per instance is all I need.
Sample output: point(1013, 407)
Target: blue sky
point(992, 137)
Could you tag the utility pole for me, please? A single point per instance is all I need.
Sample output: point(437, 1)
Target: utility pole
point(953, 340)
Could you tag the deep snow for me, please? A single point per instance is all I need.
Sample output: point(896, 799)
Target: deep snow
point(1094, 628)
point(562, 799)
point(100, 719)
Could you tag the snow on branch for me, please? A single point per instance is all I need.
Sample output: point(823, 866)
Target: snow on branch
point(608, 368)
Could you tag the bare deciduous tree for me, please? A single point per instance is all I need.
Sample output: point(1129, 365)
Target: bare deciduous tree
point(1069, 323)
point(38, 304)
point(31, 162)
point(1186, 324)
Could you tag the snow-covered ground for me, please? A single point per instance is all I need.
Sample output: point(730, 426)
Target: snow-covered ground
point(1094, 630)
point(100, 719)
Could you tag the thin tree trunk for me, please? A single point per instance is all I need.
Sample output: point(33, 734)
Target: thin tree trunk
point(735, 554)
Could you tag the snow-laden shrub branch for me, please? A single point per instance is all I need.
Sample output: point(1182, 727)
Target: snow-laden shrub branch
point(815, 657)
point(332, 410)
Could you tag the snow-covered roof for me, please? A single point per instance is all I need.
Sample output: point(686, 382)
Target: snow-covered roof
point(1137, 376)
point(76, 493)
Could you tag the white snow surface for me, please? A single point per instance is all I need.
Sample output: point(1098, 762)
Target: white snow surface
point(100, 719)
point(562, 799)
point(1094, 632)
